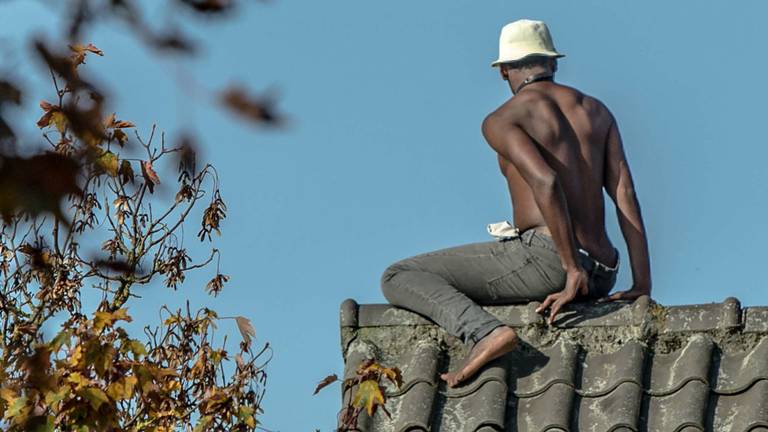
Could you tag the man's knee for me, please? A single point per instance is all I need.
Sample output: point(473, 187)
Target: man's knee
point(389, 287)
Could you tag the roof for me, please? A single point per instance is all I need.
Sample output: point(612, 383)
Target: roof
point(601, 367)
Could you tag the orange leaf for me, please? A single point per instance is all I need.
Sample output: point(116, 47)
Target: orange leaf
point(112, 123)
point(394, 375)
point(325, 382)
point(48, 110)
point(80, 51)
point(150, 176)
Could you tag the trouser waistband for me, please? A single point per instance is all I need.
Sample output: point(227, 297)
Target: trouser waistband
point(598, 264)
point(504, 230)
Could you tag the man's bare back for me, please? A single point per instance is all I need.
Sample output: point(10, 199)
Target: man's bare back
point(570, 129)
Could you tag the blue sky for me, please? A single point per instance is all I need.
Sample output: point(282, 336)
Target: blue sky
point(384, 158)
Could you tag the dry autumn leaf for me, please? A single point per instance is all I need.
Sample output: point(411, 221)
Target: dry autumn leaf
point(394, 375)
point(79, 52)
point(216, 284)
point(111, 122)
point(246, 328)
point(103, 319)
point(24, 189)
point(255, 109)
point(186, 156)
point(52, 116)
point(150, 176)
point(325, 382)
point(9, 93)
point(120, 137)
point(85, 120)
point(92, 375)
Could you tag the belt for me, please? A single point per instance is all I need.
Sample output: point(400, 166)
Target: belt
point(602, 266)
point(504, 231)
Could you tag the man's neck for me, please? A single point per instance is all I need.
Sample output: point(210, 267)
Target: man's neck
point(530, 77)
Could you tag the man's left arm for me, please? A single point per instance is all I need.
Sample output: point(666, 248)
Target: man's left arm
point(514, 144)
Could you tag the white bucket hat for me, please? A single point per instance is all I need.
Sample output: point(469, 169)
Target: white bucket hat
point(523, 38)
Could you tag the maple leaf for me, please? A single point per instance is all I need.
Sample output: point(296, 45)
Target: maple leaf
point(366, 366)
point(23, 188)
point(368, 395)
point(59, 120)
point(86, 121)
point(9, 93)
point(79, 52)
point(120, 136)
point(150, 176)
point(52, 114)
point(255, 109)
point(394, 375)
point(53, 397)
point(63, 338)
point(122, 389)
point(112, 123)
point(108, 163)
point(95, 396)
point(103, 319)
point(325, 382)
point(16, 407)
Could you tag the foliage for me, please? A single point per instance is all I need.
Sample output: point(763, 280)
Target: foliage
point(169, 38)
point(94, 187)
point(368, 394)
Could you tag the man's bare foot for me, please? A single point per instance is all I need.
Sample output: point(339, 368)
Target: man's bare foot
point(495, 344)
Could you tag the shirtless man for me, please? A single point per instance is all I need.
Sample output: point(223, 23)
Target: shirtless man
point(558, 150)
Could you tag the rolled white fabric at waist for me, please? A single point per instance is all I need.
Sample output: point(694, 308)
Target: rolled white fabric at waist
point(504, 230)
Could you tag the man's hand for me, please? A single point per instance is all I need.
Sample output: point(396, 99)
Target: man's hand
point(630, 294)
point(575, 283)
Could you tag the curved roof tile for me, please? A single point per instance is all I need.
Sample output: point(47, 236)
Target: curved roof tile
point(612, 367)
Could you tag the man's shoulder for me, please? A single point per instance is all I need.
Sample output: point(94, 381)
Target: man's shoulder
point(511, 108)
point(514, 111)
point(588, 101)
point(504, 114)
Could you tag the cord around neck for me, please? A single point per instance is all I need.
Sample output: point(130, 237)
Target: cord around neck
point(533, 78)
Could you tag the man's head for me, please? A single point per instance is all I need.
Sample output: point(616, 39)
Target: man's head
point(525, 47)
point(527, 66)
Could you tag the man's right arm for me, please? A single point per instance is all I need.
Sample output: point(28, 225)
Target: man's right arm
point(620, 187)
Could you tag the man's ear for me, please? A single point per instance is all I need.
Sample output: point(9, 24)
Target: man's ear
point(503, 72)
